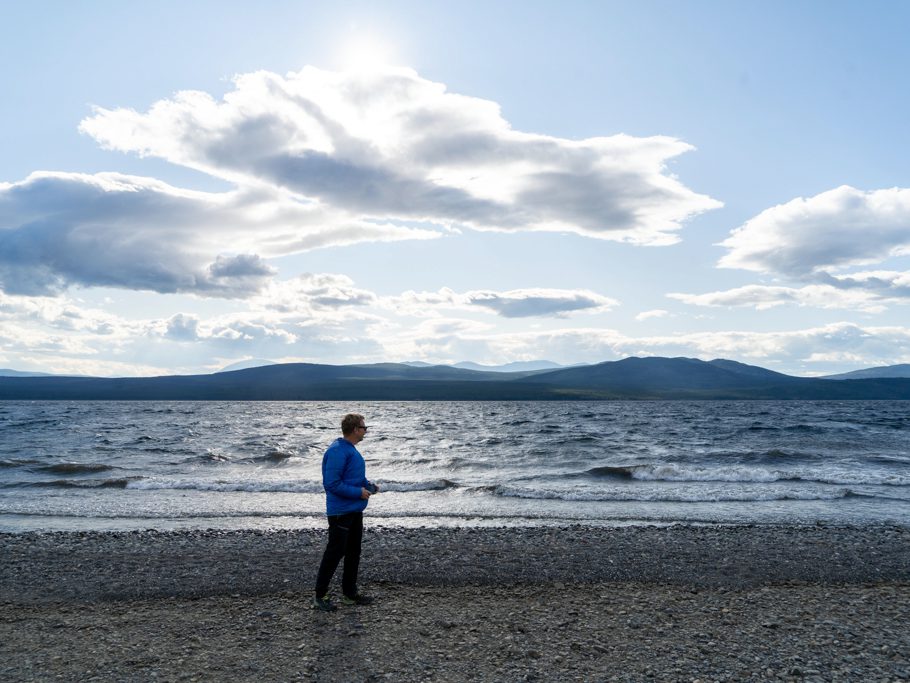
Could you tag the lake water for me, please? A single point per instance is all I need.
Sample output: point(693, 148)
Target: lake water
point(166, 465)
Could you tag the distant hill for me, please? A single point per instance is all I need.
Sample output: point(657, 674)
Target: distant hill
point(658, 375)
point(281, 382)
point(884, 371)
point(753, 371)
point(6, 372)
point(517, 366)
point(631, 378)
point(247, 364)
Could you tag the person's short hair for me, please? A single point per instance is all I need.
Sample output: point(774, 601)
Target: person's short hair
point(350, 422)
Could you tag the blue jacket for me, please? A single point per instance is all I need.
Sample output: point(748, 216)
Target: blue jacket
point(343, 475)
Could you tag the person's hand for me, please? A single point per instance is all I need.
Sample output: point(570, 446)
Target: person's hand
point(364, 493)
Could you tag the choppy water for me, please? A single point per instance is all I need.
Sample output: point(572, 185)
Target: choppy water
point(121, 465)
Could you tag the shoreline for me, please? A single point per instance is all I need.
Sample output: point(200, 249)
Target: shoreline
point(679, 603)
point(86, 566)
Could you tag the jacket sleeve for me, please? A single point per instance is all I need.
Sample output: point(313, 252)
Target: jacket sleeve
point(331, 479)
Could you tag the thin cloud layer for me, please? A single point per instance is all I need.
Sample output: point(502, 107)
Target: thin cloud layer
point(764, 297)
point(58, 334)
point(523, 303)
point(516, 303)
point(63, 229)
point(650, 315)
point(320, 293)
point(59, 314)
point(815, 350)
point(321, 317)
point(389, 145)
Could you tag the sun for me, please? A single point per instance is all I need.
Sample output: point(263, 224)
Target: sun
point(365, 53)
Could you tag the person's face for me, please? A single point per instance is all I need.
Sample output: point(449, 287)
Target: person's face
point(360, 431)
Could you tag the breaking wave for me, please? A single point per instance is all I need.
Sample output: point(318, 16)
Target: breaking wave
point(674, 495)
point(690, 473)
point(406, 486)
point(74, 468)
point(190, 484)
point(120, 483)
point(276, 486)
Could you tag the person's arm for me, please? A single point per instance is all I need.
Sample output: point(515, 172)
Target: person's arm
point(331, 478)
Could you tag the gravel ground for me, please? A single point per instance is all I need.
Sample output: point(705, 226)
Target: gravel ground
point(732, 603)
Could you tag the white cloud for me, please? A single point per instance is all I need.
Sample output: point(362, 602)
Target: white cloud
point(37, 319)
point(656, 313)
point(249, 330)
point(814, 242)
point(816, 350)
point(389, 145)
point(63, 229)
point(182, 327)
point(57, 335)
point(763, 297)
point(309, 291)
point(57, 329)
point(321, 158)
point(886, 284)
point(516, 303)
point(522, 303)
point(831, 231)
point(320, 317)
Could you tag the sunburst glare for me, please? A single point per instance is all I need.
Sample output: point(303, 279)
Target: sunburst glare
point(366, 52)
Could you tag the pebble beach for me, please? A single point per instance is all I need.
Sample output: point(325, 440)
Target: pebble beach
point(673, 603)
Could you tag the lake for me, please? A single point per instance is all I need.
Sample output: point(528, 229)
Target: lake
point(165, 465)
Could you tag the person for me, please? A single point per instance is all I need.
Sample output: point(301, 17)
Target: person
point(347, 491)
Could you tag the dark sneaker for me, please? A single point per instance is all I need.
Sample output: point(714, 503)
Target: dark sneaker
point(359, 599)
point(322, 604)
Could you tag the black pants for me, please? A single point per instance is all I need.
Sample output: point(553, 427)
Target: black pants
point(345, 534)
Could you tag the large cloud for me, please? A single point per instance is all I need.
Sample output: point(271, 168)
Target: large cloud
point(816, 242)
point(390, 145)
point(62, 229)
point(828, 232)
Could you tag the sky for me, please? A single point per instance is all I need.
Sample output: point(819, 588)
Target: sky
point(185, 185)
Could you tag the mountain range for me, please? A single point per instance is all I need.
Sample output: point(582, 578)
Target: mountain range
point(630, 378)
